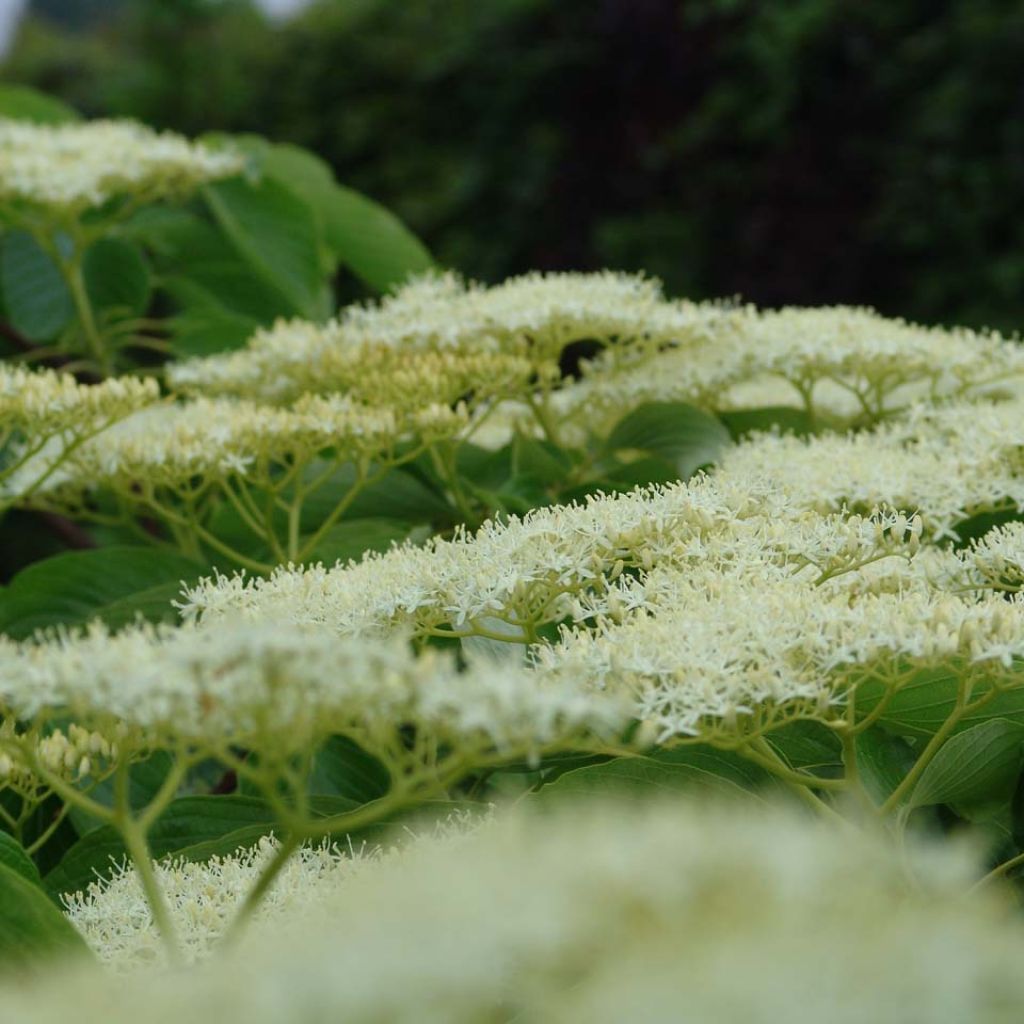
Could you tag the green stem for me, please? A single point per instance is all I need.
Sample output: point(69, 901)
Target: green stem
point(999, 871)
point(543, 415)
point(133, 832)
point(445, 469)
point(255, 895)
point(72, 271)
point(45, 836)
point(931, 749)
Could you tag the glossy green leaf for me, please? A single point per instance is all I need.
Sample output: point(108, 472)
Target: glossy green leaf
point(539, 461)
point(342, 768)
point(144, 780)
point(354, 537)
point(203, 324)
point(76, 586)
point(920, 706)
point(36, 298)
point(398, 496)
point(188, 821)
point(22, 103)
point(681, 434)
point(372, 242)
point(32, 929)
point(686, 767)
point(972, 765)
point(808, 746)
point(783, 418)
point(274, 232)
point(13, 856)
point(883, 761)
point(367, 238)
point(117, 277)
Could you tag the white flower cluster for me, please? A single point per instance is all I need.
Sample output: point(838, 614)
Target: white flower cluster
point(528, 318)
point(298, 357)
point(995, 562)
point(839, 364)
point(203, 896)
point(169, 445)
point(69, 168)
point(947, 462)
point(711, 608)
point(282, 690)
point(520, 570)
point(608, 913)
point(717, 656)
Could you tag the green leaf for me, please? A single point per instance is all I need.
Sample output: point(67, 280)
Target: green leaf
point(784, 418)
point(625, 476)
point(31, 927)
point(682, 768)
point(973, 765)
point(144, 780)
point(682, 434)
point(539, 461)
point(13, 856)
point(21, 103)
point(274, 232)
point(342, 768)
point(883, 761)
point(204, 324)
point(370, 240)
point(482, 467)
point(37, 300)
point(189, 820)
point(116, 277)
point(920, 706)
point(397, 495)
point(809, 746)
point(108, 583)
point(354, 537)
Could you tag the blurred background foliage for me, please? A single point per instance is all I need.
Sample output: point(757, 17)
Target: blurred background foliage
point(796, 151)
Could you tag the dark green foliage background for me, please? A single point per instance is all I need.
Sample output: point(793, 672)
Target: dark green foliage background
point(804, 151)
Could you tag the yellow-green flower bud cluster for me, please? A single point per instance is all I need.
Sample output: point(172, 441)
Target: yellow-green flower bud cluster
point(44, 402)
point(497, 339)
point(46, 416)
point(66, 169)
point(372, 374)
point(69, 755)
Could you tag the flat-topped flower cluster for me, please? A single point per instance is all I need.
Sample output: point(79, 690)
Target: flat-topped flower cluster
point(65, 169)
point(606, 913)
point(814, 578)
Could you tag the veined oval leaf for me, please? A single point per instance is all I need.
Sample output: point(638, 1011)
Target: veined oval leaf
point(77, 586)
point(14, 856)
point(36, 298)
point(682, 434)
point(972, 764)
point(31, 927)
